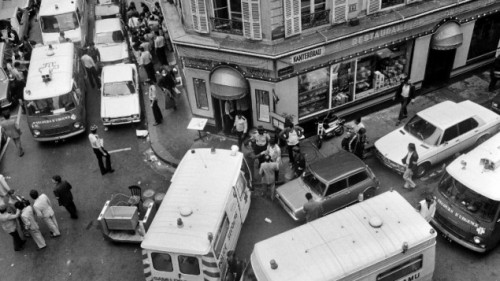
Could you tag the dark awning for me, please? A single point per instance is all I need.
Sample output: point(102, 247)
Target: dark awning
point(447, 37)
point(228, 84)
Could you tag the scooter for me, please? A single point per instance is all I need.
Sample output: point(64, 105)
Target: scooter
point(330, 126)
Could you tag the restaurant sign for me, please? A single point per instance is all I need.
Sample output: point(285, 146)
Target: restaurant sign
point(308, 55)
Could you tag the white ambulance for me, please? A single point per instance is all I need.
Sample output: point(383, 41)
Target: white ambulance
point(200, 217)
point(381, 239)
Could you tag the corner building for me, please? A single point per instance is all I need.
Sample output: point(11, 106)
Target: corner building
point(303, 58)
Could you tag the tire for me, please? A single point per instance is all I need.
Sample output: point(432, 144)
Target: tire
point(369, 193)
point(319, 142)
point(481, 139)
point(422, 169)
point(341, 131)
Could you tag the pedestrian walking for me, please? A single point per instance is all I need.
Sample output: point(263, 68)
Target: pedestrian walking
point(494, 74)
point(9, 225)
point(410, 162)
point(167, 84)
point(427, 207)
point(405, 94)
point(12, 130)
point(62, 191)
point(97, 144)
point(259, 141)
point(312, 208)
point(28, 217)
point(146, 61)
point(299, 164)
point(154, 103)
point(268, 171)
point(357, 143)
point(43, 209)
point(159, 43)
point(274, 151)
point(91, 69)
point(240, 127)
point(291, 134)
point(94, 53)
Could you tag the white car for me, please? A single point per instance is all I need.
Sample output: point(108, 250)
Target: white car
point(438, 132)
point(105, 9)
point(120, 93)
point(111, 41)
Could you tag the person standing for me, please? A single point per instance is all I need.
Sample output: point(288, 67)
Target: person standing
point(154, 103)
point(43, 209)
point(268, 171)
point(357, 125)
point(167, 84)
point(62, 37)
point(405, 94)
point(94, 53)
point(91, 69)
point(357, 143)
point(98, 146)
point(240, 127)
point(274, 151)
point(259, 141)
point(312, 208)
point(299, 164)
point(427, 207)
point(494, 74)
point(62, 191)
point(13, 131)
point(147, 62)
point(28, 217)
point(159, 43)
point(9, 225)
point(410, 162)
point(291, 134)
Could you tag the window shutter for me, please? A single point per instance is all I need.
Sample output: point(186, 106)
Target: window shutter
point(199, 14)
point(340, 11)
point(252, 28)
point(293, 19)
point(373, 6)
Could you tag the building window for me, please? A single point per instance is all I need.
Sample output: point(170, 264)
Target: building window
point(313, 13)
point(391, 3)
point(262, 101)
point(227, 16)
point(485, 37)
point(313, 91)
point(200, 92)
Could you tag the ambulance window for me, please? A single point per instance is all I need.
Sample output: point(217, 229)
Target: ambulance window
point(402, 270)
point(162, 262)
point(221, 235)
point(189, 265)
point(240, 184)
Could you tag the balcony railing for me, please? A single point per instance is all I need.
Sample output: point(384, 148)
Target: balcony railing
point(231, 26)
point(315, 19)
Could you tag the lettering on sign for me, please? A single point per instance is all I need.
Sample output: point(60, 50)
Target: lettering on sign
point(285, 71)
point(258, 72)
point(385, 32)
point(456, 214)
point(49, 65)
point(53, 120)
point(412, 277)
point(309, 55)
point(167, 279)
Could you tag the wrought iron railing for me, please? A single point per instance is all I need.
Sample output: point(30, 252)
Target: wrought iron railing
point(315, 19)
point(231, 26)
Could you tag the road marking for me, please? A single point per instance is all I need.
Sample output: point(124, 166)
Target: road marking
point(120, 150)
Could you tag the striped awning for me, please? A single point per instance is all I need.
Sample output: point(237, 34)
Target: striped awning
point(228, 84)
point(447, 37)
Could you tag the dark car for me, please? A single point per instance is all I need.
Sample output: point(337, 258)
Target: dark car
point(5, 83)
point(495, 104)
point(336, 181)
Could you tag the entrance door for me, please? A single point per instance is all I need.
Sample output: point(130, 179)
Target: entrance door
point(224, 122)
point(439, 66)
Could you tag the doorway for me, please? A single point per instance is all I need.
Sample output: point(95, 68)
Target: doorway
point(439, 66)
point(225, 111)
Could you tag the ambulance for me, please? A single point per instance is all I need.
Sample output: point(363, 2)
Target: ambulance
point(381, 239)
point(200, 217)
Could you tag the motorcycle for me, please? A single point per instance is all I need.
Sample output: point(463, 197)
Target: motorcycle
point(330, 126)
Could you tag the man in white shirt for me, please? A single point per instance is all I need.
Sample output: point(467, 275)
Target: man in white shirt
point(160, 48)
point(91, 68)
point(405, 94)
point(97, 145)
point(147, 63)
point(43, 209)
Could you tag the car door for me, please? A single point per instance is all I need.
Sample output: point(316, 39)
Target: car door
point(336, 196)
point(467, 130)
point(357, 183)
point(448, 144)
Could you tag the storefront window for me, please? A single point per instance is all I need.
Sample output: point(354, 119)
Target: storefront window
point(342, 83)
point(390, 3)
point(485, 37)
point(200, 92)
point(262, 100)
point(313, 91)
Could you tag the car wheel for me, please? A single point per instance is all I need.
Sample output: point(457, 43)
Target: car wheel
point(422, 169)
point(319, 142)
point(481, 140)
point(340, 131)
point(369, 193)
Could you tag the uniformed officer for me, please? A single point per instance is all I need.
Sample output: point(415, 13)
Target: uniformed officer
point(427, 207)
point(240, 127)
point(260, 140)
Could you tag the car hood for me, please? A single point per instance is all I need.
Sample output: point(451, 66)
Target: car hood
point(106, 10)
point(113, 52)
point(293, 193)
point(122, 106)
point(4, 87)
point(394, 146)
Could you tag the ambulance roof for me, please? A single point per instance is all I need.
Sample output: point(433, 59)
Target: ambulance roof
point(203, 183)
point(6, 4)
point(117, 73)
point(57, 7)
point(342, 243)
point(474, 176)
point(61, 63)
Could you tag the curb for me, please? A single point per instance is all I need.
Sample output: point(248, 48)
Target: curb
point(159, 150)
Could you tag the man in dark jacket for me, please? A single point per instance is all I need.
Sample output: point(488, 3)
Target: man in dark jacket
point(62, 191)
point(404, 94)
point(494, 74)
point(167, 84)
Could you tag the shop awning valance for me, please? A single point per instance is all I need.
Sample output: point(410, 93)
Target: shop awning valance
point(447, 37)
point(228, 84)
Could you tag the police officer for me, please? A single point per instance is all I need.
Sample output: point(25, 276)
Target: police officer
point(260, 140)
point(240, 127)
point(427, 207)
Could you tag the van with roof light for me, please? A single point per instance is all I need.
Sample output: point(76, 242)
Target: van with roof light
point(68, 16)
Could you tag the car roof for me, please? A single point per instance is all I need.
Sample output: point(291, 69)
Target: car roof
point(117, 73)
point(48, 7)
point(7, 13)
point(445, 114)
point(6, 4)
point(337, 165)
point(107, 25)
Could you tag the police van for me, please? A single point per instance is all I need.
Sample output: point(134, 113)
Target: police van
point(380, 239)
point(200, 217)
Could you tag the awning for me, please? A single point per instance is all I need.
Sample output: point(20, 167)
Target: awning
point(228, 84)
point(447, 37)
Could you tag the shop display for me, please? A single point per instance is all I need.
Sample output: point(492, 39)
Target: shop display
point(313, 91)
point(342, 83)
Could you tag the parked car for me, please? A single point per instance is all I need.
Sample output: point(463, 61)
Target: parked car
point(120, 95)
point(438, 132)
point(495, 104)
point(111, 41)
point(105, 9)
point(14, 14)
point(337, 181)
point(5, 81)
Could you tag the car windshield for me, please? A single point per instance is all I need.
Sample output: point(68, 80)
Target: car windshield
point(51, 106)
point(423, 130)
point(108, 2)
point(119, 88)
point(109, 37)
point(58, 23)
point(469, 201)
point(314, 183)
point(3, 76)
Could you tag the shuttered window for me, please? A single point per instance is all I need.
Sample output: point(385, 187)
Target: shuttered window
point(293, 23)
point(373, 6)
point(251, 19)
point(199, 15)
point(340, 11)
